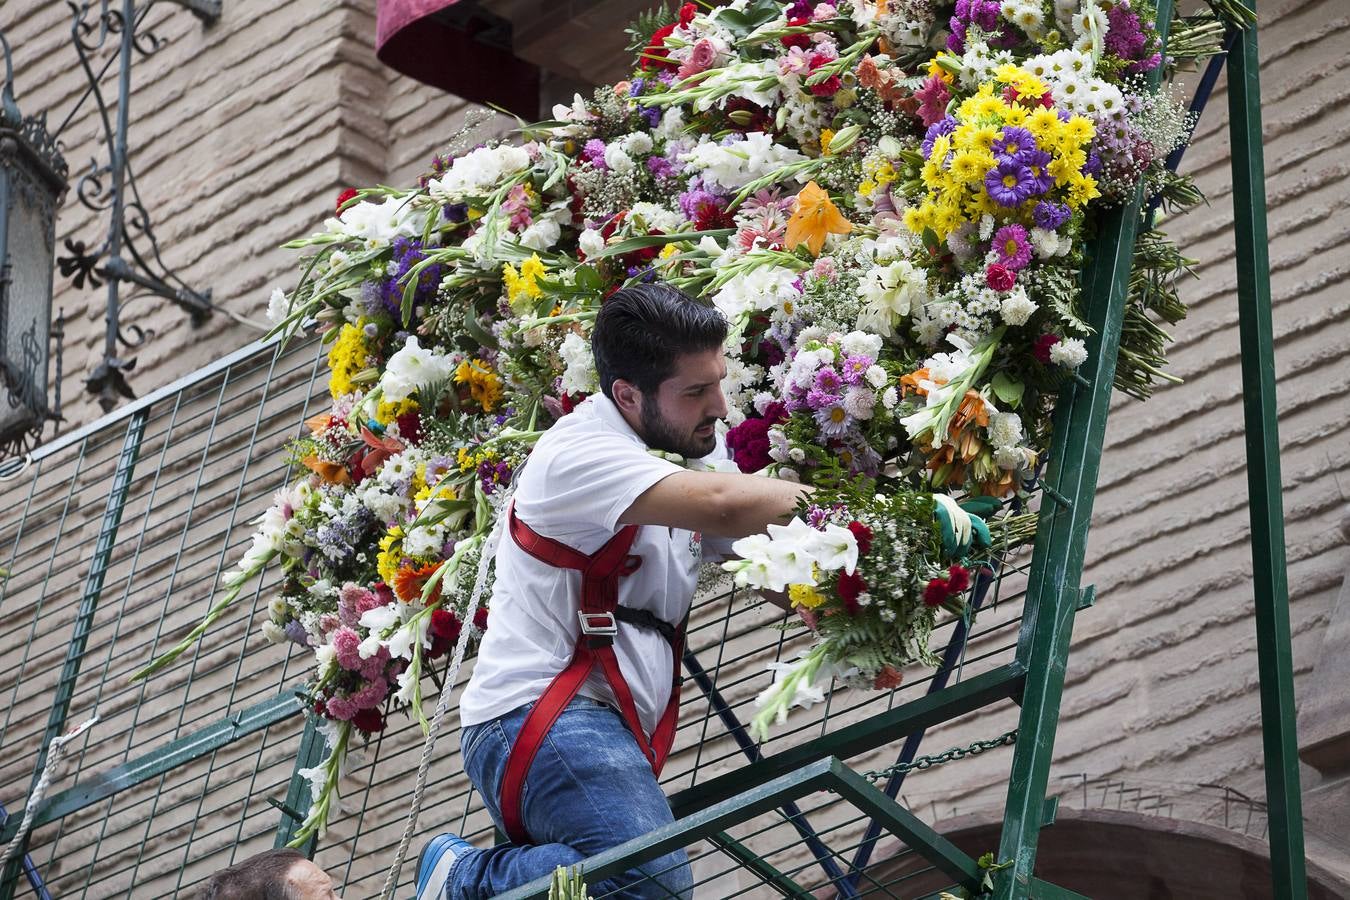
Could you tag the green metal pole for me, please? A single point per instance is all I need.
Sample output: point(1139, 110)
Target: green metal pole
point(1269, 580)
point(84, 620)
point(1053, 590)
point(298, 796)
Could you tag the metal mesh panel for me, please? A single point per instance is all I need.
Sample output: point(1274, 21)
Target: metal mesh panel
point(121, 532)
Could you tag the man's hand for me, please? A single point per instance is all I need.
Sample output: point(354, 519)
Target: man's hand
point(717, 503)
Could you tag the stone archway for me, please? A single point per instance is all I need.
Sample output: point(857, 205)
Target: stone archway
point(1122, 855)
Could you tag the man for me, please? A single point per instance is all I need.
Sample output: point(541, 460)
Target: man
point(571, 706)
point(273, 875)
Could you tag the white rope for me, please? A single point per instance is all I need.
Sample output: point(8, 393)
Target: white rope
point(488, 553)
point(55, 752)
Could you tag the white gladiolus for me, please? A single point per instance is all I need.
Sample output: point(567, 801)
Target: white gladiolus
point(579, 376)
point(733, 166)
point(591, 242)
point(413, 367)
point(478, 172)
point(891, 293)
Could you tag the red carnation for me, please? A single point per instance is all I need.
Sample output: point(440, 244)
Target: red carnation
point(863, 535)
point(936, 593)
point(958, 579)
point(850, 587)
point(319, 708)
point(444, 629)
point(480, 619)
point(999, 277)
point(687, 13)
point(410, 428)
point(656, 47)
point(369, 721)
point(797, 40)
point(343, 197)
point(1042, 349)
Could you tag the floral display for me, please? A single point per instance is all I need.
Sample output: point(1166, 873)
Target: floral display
point(890, 202)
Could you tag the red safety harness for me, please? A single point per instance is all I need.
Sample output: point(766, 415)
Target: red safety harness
point(599, 615)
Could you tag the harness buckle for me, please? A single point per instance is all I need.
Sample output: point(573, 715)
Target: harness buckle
point(598, 624)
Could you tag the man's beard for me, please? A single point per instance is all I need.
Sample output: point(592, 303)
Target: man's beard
point(659, 435)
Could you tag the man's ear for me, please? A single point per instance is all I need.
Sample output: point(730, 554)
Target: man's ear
point(627, 397)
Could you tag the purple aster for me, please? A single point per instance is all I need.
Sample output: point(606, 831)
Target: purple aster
point(946, 126)
point(1050, 215)
point(1012, 247)
point(651, 114)
point(1009, 183)
point(855, 368)
point(1093, 166)
point(694, 200)
point(1038, 161)
point(817, 516)
point(818, 399)
point(1015, 144)
point(828, 380)
point(833, 420)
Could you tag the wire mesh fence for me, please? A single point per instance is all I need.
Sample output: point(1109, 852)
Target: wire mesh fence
point(115, 540)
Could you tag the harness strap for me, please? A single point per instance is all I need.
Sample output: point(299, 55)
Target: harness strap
point(599, 614)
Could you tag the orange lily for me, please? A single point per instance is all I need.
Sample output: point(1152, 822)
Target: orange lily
point(318, 423)
point(331, 472)
point(378, 449)
point(816, 216)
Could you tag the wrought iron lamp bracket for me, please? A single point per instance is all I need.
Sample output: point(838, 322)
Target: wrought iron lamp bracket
point(130, 253)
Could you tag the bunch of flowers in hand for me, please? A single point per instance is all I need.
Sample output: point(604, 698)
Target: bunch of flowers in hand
point(868, 574)
point(888, 201)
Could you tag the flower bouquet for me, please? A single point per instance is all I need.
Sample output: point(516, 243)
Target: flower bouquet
point(889, 202)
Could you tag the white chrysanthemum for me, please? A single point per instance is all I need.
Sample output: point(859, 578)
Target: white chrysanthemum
point(1044, 242)
point(733, 166)
point(478, 172)
point(859, 402)
point(671, 125)
point(890, 397)
point(987, 223)
point(876, 376)
point(579, 376)
point(1014, 459)
point(860, 343)
point(1069, 353)
point(637, 143)
point(423, 542)
point(617, 160)
point(413, 367)
point(1017, 307)
point(1005, 429)
point(542, 234)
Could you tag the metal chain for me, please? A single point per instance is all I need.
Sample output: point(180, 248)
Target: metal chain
point(955, 753)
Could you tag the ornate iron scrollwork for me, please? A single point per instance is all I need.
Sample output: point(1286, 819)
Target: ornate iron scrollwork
point(130, 253)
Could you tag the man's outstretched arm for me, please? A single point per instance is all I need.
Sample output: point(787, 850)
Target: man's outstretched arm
point(717, 503)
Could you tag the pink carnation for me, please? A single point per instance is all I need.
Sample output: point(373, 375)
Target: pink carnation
point(372, 694)
point(933, 97)
point(374, 667)
point(345, 643)
point(341, 708)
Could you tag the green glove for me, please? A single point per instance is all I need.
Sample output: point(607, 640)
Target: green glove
point(962, 528)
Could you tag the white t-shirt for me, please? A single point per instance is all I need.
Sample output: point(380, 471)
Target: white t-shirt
point(581, 476)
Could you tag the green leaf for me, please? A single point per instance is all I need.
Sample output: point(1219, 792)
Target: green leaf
point(588, 279)
point(476, 330)
point(930, 241)
point(1008, 389)
point(659, 240)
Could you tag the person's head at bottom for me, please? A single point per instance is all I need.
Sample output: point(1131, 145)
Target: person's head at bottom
point(274, 875)
point(659, 356)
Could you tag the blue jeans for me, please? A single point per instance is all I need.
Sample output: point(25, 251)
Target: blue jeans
point(589, 789)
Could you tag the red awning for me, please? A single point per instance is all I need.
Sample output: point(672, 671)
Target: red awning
point(458, 48)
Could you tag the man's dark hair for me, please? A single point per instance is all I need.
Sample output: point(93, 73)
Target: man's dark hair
point(261, 877)
point(642, 330)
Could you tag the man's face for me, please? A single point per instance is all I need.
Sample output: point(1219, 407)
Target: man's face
point(306, 881)
point(680, 417)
